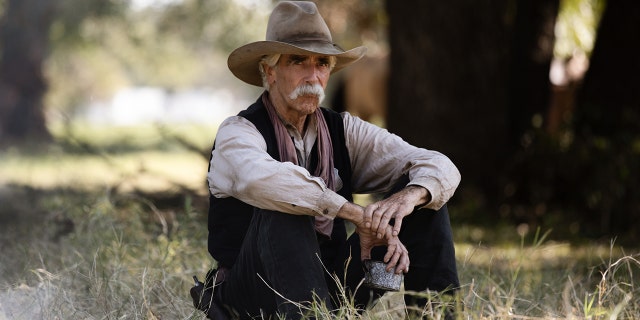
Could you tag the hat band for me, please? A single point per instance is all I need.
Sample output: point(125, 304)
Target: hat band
point(306, 40)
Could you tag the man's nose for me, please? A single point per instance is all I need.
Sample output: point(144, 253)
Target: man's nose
point(313, 73)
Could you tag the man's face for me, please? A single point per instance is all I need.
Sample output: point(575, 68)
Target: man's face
point(299, 82)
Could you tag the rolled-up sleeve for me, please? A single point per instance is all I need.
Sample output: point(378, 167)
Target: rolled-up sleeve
point(379, 158)
point(242, 168)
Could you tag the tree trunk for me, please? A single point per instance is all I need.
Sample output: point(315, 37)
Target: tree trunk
point(24, 41)
point(607, 123)
point(532, 52)
point(609, 101)
point(448, 81)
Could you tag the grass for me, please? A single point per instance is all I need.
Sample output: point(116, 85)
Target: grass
point(117, 261)
point(86, 234)
point(124, 258)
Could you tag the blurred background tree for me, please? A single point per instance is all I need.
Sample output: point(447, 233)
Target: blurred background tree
point(472, 80)
point(59, 55)
point(24, 31)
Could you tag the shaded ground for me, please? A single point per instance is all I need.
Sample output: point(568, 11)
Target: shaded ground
point(24, 302)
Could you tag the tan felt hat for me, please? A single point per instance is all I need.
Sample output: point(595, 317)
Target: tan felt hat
point(294, 27)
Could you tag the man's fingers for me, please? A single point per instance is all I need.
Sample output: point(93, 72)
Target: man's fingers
point(382, 214)
point(390, 251)
point(397, 224)
point(368, 213)
point(384, 223)
point(376, 217)
point(397, 259)
point(403, 265)
point(393, 262)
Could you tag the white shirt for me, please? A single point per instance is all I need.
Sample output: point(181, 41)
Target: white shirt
point(242, 168)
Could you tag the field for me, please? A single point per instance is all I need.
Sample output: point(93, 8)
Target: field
point(111, 224)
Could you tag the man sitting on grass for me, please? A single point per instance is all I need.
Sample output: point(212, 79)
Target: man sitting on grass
point(281, 179)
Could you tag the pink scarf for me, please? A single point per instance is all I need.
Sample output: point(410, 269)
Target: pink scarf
point(287, 150)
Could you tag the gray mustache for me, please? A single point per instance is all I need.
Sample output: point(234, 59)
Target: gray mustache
point(308, 89)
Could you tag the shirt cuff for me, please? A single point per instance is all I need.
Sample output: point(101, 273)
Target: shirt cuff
point(330, 203)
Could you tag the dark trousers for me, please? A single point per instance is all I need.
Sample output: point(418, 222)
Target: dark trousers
point(283, 259)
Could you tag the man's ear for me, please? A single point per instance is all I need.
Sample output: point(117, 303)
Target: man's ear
point(270, 72)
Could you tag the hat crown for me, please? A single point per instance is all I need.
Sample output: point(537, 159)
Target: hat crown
point(297, 21)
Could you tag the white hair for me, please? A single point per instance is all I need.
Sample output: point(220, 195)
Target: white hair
point(270, 60)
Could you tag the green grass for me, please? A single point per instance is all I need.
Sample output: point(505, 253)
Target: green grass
point(92, 230)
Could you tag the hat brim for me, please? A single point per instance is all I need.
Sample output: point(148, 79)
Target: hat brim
point(243, 62)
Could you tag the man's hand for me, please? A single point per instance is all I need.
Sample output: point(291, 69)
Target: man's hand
point(396, 207)
point(397, 256)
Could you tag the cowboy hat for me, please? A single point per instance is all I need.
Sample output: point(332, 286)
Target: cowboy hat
point(294, 27)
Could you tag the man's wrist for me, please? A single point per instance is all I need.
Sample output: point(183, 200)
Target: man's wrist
point(421, 194)
point(351, 212)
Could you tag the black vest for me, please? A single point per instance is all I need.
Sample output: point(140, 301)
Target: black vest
point(229, 218)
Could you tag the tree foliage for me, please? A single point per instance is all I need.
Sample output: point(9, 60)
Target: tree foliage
point(173, 46)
